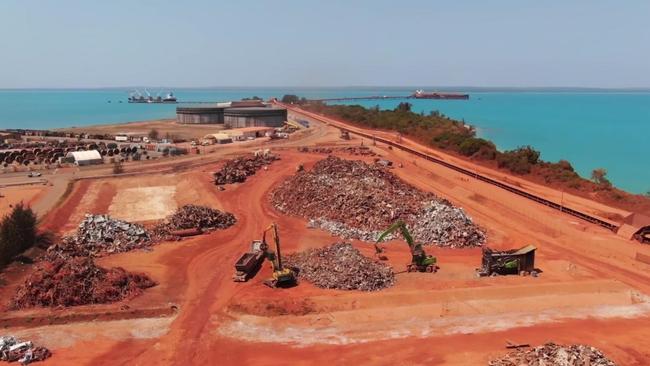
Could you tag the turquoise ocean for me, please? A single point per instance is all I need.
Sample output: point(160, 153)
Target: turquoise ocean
point(591, 129)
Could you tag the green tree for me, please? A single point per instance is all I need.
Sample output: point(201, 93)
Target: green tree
point(290, 99)
point(117, 167)
point(154, 134)
point(519, 160)
point(473, 145)
point(403, 107)
point(599, 176)
point(17, 232)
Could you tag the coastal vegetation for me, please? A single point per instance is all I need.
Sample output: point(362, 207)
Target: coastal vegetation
point(293, 99)
point(18, 233)
point(599, 176)
point(153, 134)
point(458, 138)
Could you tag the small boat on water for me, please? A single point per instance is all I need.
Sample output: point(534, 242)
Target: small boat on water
point(137, 97)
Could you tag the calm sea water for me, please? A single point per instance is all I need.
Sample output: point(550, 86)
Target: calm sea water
point(590, 129)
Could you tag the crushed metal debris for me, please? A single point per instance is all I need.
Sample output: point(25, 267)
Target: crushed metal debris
point(99, 235)
point(352, 150)
point(341, 266)
point(237, 170)
point(555, 355)
point(355, 200)
point(13, 349)
point(448, 226)
point(194, 216)
point(77, 281)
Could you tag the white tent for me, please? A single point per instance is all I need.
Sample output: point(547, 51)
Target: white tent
point(85, 157)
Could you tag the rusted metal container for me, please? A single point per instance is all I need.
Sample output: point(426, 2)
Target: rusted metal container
point(187, 232)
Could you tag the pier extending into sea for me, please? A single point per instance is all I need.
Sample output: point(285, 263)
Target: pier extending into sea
point(417, 95)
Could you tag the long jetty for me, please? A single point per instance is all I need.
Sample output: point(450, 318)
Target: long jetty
point(372, 97)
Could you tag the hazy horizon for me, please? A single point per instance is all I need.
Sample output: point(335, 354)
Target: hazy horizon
point(504, 43)
point(388, 87)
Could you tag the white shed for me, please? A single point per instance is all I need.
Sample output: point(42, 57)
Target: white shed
point(85, 157)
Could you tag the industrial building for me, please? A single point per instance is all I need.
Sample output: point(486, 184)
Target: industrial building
point(233, 114)
point(241, 134)
point(217, 138)
point(82, 158)
point(205, 114)
point(255, 117)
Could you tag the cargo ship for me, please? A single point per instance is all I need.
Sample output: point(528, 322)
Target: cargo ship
point(421, 94)
point(137, 97)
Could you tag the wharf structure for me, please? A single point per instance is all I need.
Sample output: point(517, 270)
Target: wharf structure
point(233, 114)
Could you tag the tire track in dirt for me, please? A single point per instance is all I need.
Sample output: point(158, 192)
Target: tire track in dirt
point(56, 219)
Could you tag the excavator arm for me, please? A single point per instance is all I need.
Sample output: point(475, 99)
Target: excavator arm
point(274, 258)
point(420, 260)
point(281, 276)
point(404, 231)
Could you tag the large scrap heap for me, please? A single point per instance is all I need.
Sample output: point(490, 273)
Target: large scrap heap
point(77, 281)
point(99, 235)
point(237, 170)
point(555, 354)
point(353, 199)
point(341, 266)
point(193, 217)
point(68, 276)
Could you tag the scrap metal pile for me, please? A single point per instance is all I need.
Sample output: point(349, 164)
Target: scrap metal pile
point(13, 349)
point(237, 170)
point(353, 199)
point(447, 226)
point(100, 235)
point(77, 281)
point(193, 216)
point(352, 150)
point(341, 266)
point(555, 355)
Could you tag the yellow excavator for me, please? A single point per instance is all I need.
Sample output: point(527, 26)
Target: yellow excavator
point(282, 277)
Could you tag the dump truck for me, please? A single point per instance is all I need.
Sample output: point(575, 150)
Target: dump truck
point(420, 261)
point(516, 261)
point(249, 263)
point(345, 134)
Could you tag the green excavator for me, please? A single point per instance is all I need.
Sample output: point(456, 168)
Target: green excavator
point(420, 261)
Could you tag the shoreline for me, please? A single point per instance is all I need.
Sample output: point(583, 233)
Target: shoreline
point(199, 130)
point(493, 122)
point(612, 196)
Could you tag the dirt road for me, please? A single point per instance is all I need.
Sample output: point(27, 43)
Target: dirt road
point(591, 291)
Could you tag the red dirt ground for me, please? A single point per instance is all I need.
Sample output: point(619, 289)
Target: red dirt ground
point(591, 291)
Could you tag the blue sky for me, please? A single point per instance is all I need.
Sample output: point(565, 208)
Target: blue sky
point(75, 43)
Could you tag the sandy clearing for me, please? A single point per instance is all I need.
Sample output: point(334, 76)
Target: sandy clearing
point(143, 203)
point(28, 195)
point(67, 335)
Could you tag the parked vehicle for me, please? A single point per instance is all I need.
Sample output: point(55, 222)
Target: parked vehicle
point(249, 263)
